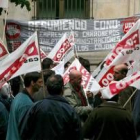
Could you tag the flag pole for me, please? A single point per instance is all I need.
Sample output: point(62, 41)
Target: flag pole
point(130, 98)
point(42, 75)
point(5, 17)
point(75, 50)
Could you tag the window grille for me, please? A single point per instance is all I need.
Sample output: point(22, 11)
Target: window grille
point(58, 9)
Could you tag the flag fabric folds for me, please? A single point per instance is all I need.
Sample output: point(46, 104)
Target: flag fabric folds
point(3, 51)
point(126, 51)
point(62, 47)
point(88, 82)
point(115, 87)
point(23, 60)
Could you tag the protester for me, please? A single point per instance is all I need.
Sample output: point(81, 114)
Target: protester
point(97, 97)
point(66, 66)
point(3, 121)
point(75, 95)
point(136, 113)
point(52, 118)
point(21, 103)
point(120, 72)
point(15, 85)
point(47, 63)
point(109, 121)
point(6, 96)
point(43, 92)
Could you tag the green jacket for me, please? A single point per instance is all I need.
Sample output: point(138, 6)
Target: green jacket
point(124, 96)
point(73, 99)
point(21, 103)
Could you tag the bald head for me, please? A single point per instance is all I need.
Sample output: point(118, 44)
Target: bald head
point(120, 72)
point(75, 78)
point(74, 73)
point(121, 67)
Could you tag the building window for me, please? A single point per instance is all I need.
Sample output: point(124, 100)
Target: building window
point(47, 9)
point(59, 9)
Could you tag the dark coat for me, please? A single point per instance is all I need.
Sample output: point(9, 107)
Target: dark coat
point(109, 121)
point(124, 96)
point(3, 121)
point(136, 112)
point(51, 119)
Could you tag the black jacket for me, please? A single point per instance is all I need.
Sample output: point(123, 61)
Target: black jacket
point(109, 121)
point(51, 119)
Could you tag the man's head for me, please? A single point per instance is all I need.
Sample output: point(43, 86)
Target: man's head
point(47, 73)
point(67, 65)
point(47, 63)
point(55, 85)
point(120, 72)
point(33, 82)
point(75, 78)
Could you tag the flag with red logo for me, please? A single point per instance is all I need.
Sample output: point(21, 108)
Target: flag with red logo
point(88, 82)
point(23, 60)
point(115, 87)
point(3, 50)
point(43, 55)
point(126, 51)
point(4, 3)
point(62, 47)
point(128, 23)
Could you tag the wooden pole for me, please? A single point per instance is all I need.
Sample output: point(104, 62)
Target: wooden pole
point(5, 18)
point(130, 98)
point(42, 75)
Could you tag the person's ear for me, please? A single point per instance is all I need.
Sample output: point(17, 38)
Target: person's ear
point(32, 83)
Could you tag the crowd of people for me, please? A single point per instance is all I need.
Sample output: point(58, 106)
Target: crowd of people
point(46, 109)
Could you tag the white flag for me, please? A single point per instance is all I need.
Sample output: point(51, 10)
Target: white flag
point(59, 68)
point(62, 47)
point(4, 3)
point(23, 60)
point(88, 82)
point(43, 55)
point(126, 51)
point(115, 87)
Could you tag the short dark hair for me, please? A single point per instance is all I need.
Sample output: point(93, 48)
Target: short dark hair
point(85, 63)
point(47, 73)
point(47, 62)
point(33, 76)
point(124, 71)
point(55, 84)
point(67, 64)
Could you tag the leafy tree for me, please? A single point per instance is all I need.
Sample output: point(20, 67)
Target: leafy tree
point(22, 3)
